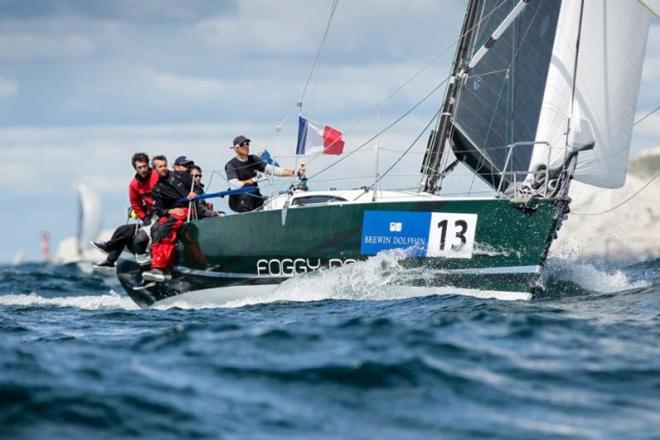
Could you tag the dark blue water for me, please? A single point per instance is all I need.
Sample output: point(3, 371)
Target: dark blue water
point(78, 361)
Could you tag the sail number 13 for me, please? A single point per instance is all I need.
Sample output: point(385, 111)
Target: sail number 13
point(451, 235)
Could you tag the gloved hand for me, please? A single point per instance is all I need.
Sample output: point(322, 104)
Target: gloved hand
point(146, 221)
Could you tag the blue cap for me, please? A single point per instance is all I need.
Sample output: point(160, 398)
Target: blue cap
point(239, 140)
point(183, 160)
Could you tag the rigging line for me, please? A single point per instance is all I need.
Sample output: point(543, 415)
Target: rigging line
point(487, 73)
point(333, 9)
point(622, 203)
point(646, 115)
point(382, 46)
point(420, 71)
point(392, 124)
point(626, 146)
point(435, 58)
point(278, 127)
point(401, 156)
point(416, 74)
point(214, 173)
point(575, 72)
point(649, 8)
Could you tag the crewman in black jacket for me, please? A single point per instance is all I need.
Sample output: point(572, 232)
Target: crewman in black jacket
point(242, 172)
point(171, 187)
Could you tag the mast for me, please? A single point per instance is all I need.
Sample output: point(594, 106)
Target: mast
point(491, 111)
point(439, 136)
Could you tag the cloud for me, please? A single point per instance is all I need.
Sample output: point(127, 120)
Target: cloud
point(28, 46)
point(189, 87)
point(8, 88)
point(143, 10)
point(247, 62)
point(359, 30)
point(650, 125)
point(66, 155)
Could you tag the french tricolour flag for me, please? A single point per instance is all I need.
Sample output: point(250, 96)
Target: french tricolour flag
point(314, 139)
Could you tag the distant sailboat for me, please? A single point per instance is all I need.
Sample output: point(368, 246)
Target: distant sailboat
point(77, 249)
point(18, 258)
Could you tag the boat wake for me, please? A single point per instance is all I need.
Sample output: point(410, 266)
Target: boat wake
point(381, 277)
point(566, 277)
point(111, 300)
point(378, 278)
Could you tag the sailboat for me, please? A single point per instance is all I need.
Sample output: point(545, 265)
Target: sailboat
point(76, 249)
point(540, 93)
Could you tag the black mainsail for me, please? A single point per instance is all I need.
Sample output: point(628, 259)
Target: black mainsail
point(497, 101)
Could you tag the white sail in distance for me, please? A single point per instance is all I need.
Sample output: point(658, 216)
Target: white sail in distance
point(652, 5)
point(609, 66)
point(89, 220)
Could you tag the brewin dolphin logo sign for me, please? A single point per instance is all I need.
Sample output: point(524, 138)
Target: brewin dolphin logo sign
point(422, 234)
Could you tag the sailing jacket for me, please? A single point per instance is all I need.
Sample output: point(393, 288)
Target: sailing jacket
point(239, 170)
point(170, 189)
point(139, 194)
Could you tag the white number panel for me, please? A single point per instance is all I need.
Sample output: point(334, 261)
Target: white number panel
point(451, 235)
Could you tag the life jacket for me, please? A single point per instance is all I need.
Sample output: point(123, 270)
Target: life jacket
point(140, 194)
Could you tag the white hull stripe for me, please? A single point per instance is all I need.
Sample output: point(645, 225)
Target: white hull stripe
point(472, 271)
point(505, 270)
point(494, 270)
point(214, 274)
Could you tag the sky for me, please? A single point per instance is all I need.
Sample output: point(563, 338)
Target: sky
point(86, 83)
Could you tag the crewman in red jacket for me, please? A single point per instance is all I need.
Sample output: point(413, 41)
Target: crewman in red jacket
point(142, 204)
point(139, 190)
point(172, 187)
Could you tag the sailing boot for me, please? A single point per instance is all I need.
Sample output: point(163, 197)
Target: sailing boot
point(104, 265)
point(156, 275)
point(101, 245)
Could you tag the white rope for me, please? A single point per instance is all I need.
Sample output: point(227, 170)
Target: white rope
point(646, 115)
point(622, 203)
point(392, 26)
point(392, 124)
point(411, 79)
point(317, 58)
point(408, 149)
point(278, 127)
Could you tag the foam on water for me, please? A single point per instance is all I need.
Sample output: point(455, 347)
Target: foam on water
point(589, 277)
point(91, 302)
point(383, 278)
point(370, 279)
point(378, 278)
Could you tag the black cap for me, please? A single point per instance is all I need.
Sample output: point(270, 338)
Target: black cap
point(239, 140)
point(183, 160)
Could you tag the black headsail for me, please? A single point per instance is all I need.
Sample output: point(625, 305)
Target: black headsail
point(499, 77)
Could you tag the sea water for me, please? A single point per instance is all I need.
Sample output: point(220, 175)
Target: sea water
point(345, 353)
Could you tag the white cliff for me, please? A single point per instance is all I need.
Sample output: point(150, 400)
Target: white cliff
point(629, 232)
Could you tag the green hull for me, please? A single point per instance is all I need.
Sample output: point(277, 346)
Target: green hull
point(507, 242)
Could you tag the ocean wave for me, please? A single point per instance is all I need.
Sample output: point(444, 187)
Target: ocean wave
point(111, 300)
point(588, 277)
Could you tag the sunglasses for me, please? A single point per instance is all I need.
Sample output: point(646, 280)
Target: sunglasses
point(244, 144)
point(196, 176)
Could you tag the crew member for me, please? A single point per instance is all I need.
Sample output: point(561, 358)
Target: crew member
point(171, 186)
point(183, 165)
point(139, 194)
point(204, 208)
point(242, 172)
